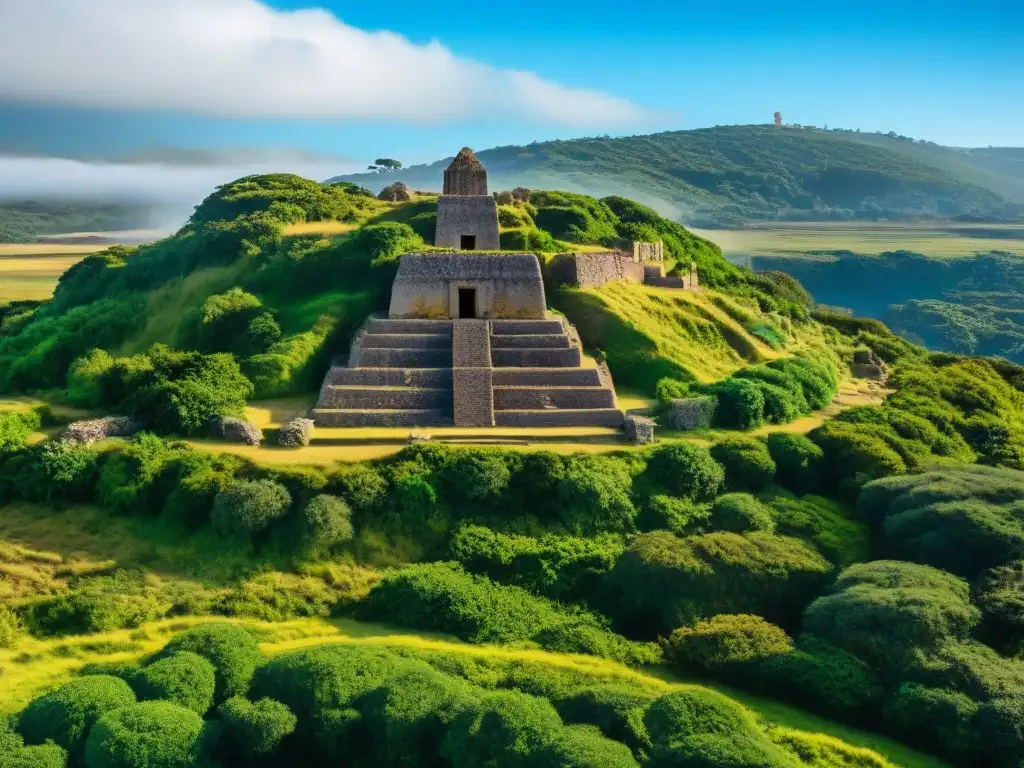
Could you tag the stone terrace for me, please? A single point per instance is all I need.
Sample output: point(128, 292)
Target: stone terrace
point(401, 374)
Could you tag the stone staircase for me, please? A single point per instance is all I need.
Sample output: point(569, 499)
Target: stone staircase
point(399, 375)
point(538, 380)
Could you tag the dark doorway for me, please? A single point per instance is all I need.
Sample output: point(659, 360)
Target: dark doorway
point(468, 242)
point(467, 302)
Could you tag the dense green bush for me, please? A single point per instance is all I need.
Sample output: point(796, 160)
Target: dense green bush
point(40, 756)
point(797, 461)
point(593, 495)
point(15, 429)
point(824, 524)
point(97, 604)
point(667, 513)
point(1000, 596)
point(386, 242)
point(886, 611)
point(686, 470)
point(325, 521)
point(233, 652)
point(183, 677)
point(246, 508)
point(748, 465)
point(933, 719)
point(255, 729)
point(66, 715)
point(662, 582)
point(554, 565)
point(152, 734)
point(529, 239)
point(740, 513)
point(617, 710)
point(440, 597)
point(725, 641)
point(701, 728)
point(961, 519)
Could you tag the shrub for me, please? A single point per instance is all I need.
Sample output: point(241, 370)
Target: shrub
point(700, 727)
point(41, 756)
point(748, 465)
point(822, 523)
point(666, 513)
point(740, 513)
point(386, 241)
point(152, 734)
point(504, 728)
point(999, 731)
point(582, 747)
point(933, 719)
point(885, 611)
point(686, 470)
point(247, 507)
point(1000, 596)
point(361, 485)
point(726, 641)
point(325, 521)
point(15, 429)
point(512, 217)
point(797, 461)
point(662, 582)
point(256, 729)
point(98, 604)
point(233, 652)
point(668, 389)
point(818, 676)
point(11, 627)
point(475, 477)
point(184, 678)
point(617, 710)
point(740, 403)
point(66, 715)
point(593, 495)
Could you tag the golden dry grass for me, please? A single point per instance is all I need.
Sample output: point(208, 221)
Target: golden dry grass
point(948, 240)
point(319, 228)
point(33, 277)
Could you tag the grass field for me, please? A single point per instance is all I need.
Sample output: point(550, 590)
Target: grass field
point(868, 238)
point(32, 274)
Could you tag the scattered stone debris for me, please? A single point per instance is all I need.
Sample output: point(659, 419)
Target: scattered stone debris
point(296, 433)
point(94, 430)
point(639, 429)
point(236, 430)
point(692, 413)
point(868, 365)
point(420, 437)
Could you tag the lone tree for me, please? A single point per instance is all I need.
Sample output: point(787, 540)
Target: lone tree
point(385, 164)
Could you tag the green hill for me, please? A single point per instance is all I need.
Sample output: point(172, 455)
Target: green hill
point(726, 174)
point(23, 222)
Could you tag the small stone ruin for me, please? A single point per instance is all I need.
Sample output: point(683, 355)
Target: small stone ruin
point(94, 430)
point(639, 429)
point(296, 433)
point(236, 430)
point(868, 365)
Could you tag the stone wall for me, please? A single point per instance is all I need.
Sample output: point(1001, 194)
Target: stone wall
point(459, 215)
point(649, 252)
point(507, 285)
point(592, 270)
point(472, 394)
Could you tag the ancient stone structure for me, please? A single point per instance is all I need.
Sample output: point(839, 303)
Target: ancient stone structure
point(94, 430)
point(692, 413)
point(467, 216)
point(639, 429)
point(468, 286)
point(592, 270)
point(468, 341)
point(650, 252)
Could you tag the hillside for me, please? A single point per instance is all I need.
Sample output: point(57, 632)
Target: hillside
point(729, 173)
point(23, 222)
point(691, 602)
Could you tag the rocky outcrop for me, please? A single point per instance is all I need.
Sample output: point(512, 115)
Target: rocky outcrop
point(296, 433)
point(236, 430)
point(94, 430)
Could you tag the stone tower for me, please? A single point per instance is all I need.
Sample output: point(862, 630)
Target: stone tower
point(467, 216)
point(466, 175)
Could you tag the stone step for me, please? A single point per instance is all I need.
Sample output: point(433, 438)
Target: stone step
point(437, 378)
point(536, 358)
point(583, 417)
point(533, 341)
point(384, 398)
point(406, 341)
point(518, 327)
point(548, 398)
point(405, 358)
point(546, 377)
point(337, 417)
point(382, 325)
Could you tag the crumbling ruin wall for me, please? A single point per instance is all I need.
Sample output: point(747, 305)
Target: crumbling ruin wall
point(649, 252)
point(591, 270)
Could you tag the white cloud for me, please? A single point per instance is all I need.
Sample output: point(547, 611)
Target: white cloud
point(243, 58)
point(169, 191)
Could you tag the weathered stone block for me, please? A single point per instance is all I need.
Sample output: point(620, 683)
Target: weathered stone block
point(94, 430)
point(639, 429)
point(296, 433)
point(236, 430)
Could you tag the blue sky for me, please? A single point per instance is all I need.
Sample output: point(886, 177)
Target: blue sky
point(951, 71)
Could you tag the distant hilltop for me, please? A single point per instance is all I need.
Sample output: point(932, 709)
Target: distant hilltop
point(723, 175)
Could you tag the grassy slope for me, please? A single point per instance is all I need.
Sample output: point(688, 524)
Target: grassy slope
point(753, 170)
